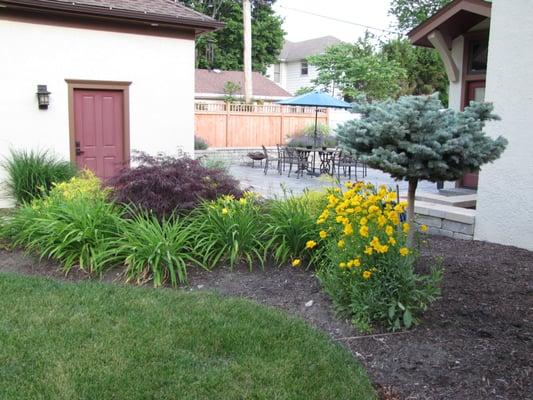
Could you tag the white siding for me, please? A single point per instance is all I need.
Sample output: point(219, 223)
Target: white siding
point(505, 211)
point(161, 70)
point(295, 80)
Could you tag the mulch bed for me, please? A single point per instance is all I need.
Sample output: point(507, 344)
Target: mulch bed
point(476, 342)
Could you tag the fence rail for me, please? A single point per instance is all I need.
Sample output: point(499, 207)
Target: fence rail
point(251, 125)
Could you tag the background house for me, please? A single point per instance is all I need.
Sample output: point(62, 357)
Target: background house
point(482, 45)
point(293, 72)
point(120, 73)
point(211, 85)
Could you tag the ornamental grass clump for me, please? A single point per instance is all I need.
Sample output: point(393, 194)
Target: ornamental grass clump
point(290, 224)
point(154, 250)
point(74, 225)
point(31, 173)
point(230, 230)
point(368, 270)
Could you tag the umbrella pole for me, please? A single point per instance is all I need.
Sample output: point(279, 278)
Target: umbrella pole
point(315, 137)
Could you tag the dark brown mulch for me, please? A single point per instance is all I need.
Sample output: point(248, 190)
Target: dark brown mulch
point(474, 343)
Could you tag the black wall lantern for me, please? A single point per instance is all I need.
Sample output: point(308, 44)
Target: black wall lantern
point(43, 97)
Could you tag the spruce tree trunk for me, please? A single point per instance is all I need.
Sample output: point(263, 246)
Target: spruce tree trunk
point(411, 191)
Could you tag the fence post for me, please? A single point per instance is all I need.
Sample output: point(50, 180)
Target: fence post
point(281, 125)
point(228, 106)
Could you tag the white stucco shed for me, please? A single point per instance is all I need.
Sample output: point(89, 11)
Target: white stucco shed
point(120, 76)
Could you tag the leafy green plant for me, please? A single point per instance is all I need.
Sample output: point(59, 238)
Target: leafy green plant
point(78, 231)
point(368, 270)
point(31, 173)
point(153, 250)
point(230, 230)
point(74, 224)
point(216, 163)
point(290, 224)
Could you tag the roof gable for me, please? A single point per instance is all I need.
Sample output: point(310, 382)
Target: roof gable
point(452, 21)
point(293, 51)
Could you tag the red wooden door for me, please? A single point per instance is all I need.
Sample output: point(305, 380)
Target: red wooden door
point(475, 91)
point(99, 131)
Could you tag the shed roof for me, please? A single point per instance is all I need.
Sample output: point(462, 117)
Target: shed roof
point(213, 82)
point(452, 21)
point(293, 51)
point(165, 12)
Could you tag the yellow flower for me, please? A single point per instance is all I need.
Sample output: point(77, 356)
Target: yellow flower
point(363, 231)
point(320, 221)
point(423, 228)
point(389, 230)
point(368, 250)
point(382, 220)
point(339, 219)
point(224, 211)
point(342, 264)
point(341, 244)
point(348, 229)
point(323, 234)
point(363, 221)
point(404, 251)
point(356, 262)
point(243, 201)
point(296, 262)
point(405, 227)
point(310, 244)
point(367, 274)
point(373, 209)
point(392, 241)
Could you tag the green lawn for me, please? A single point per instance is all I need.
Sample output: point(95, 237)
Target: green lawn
point(97, 341)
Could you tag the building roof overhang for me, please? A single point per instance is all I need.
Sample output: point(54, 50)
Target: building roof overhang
point(89, 12)
point(451, 21)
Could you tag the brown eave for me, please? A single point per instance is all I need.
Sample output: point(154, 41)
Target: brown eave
point(124, 16)
point(452, 21)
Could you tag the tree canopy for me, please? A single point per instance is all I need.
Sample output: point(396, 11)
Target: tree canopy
point(223, 49)
point(410, 13)
point(358, 69)
point(416, 138)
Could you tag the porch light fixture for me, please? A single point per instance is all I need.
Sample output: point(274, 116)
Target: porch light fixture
point(43, 97)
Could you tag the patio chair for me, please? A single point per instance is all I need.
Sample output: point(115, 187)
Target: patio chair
point(270, 159)
point(345, 161)
point(290, 157)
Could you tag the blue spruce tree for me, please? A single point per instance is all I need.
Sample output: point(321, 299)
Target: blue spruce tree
point(416, 138)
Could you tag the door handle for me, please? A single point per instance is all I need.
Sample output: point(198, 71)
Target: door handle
point(79, 152)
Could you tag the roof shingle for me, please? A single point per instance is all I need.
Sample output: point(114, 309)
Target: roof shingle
point(214, 81)
point(294, 51)
point(165, 10)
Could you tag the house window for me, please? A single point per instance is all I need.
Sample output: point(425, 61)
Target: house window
point(477, 56)
point(277, 73)
point(304, 68)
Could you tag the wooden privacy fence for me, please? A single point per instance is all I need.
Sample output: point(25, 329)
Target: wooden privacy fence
point(250, 125)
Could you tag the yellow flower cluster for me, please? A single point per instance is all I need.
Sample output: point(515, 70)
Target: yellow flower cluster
point(85, 184)
point(365, 223)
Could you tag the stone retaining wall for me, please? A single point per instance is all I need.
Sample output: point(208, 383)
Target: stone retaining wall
point(454, 222)
point(235, 155)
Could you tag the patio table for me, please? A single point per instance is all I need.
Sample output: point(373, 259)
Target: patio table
point(325, 158)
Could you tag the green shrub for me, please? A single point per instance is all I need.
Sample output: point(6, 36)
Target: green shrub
point(31, 173)
point(153, 250)
point(368, 271)
point(200, 143)
point(230, 230)
point(74, 225)
point(290, 224)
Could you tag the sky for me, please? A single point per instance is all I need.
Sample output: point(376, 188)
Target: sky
point(301, 26)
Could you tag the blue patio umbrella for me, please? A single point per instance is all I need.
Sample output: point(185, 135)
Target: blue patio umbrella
point(318, 100)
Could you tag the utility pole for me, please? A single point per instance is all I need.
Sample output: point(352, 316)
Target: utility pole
point(247, 18)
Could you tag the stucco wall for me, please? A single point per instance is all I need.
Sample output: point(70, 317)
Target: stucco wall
point(161, 70)
point(505, 206)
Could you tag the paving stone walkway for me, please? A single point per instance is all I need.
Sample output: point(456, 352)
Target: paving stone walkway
point(273, 184)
